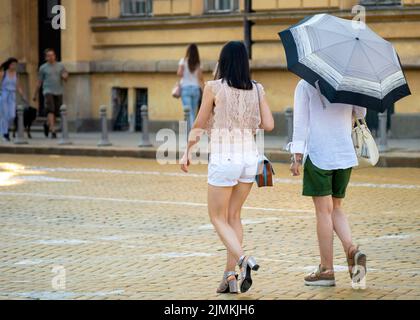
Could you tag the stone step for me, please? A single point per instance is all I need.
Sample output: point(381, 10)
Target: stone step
point(38, 125)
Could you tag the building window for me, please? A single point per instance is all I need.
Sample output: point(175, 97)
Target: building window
point(380, 2)
point(136, 7)
point(222, 5)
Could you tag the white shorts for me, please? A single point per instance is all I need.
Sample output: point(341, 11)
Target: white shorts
point(228, 171)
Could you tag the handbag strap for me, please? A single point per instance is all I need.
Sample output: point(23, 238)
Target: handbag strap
point(258, 93)
point(359, 122)
point(261, 157)
point(318, 89)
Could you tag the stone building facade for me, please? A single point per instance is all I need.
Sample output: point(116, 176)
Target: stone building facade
point(124, 53)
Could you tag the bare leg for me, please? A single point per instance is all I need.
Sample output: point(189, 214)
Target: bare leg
point(218, 204)
point(51, 121)
point(239, 194)
point(341, 224)
point(325, 229)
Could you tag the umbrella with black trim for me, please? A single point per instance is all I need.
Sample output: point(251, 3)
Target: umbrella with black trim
point(346, 61)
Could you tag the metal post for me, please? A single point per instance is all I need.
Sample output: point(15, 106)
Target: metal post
point(145, 127)
point(248, 27)
point(383, 137)
point(187, 111)
point(64, 127)
point(132, 122)
point(289, 124)
point(104, 142)
point(20, 139)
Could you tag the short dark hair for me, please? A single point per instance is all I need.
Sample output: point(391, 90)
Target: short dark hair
point(48, 50)
point(233, 66)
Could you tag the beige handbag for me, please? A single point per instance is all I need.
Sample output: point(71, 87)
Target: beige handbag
point(176, 91)
point(364, 144)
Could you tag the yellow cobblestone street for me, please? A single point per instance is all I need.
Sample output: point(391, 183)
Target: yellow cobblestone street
point(125, 228)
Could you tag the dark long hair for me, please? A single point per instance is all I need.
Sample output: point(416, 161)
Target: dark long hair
point(193, 57)
point(6, 65)
point(233, 66)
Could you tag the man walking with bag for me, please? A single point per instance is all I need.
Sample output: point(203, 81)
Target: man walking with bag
point(52, 74)
point(322, 143)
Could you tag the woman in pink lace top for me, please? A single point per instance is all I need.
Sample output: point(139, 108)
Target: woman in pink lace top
point(232, 110)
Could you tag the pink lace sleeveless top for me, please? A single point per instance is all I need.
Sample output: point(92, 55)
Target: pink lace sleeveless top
point(235, 108)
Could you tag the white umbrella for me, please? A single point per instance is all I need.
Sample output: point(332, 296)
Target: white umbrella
point(346, 61)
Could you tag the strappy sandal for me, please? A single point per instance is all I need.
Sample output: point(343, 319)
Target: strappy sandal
point(247, 264)
point(229, 283)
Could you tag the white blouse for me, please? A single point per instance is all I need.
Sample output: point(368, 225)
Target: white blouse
point(323, 134)
point(189, 78)
point(235, 109)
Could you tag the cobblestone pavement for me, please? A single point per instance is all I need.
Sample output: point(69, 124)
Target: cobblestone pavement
point(131, 140)
point(131, 229)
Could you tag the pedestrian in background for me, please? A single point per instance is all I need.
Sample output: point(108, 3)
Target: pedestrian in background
point(192, 81)
point(233, 109)
point(52, 75)
point(9, 85)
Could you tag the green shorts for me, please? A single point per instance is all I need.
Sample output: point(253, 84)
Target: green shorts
point(318, 182)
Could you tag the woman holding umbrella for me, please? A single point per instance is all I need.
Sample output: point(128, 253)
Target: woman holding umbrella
point(345, 68)
point(324, 136)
